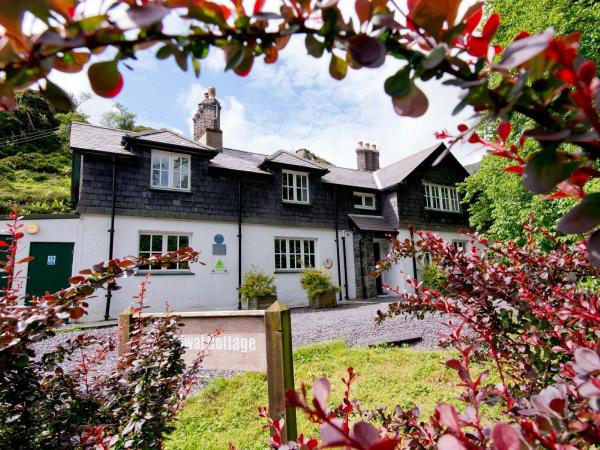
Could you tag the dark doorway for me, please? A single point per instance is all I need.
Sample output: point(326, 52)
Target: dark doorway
point(377, 257)
point(51, 267)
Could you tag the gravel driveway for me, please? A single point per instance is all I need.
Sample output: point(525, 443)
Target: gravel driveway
point(355, 323)
point(352, 322)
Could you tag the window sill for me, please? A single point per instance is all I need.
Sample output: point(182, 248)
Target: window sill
point(443, 210)
point(289, 271)
point(179, 191)
point(290, 202)
point(160, 273)
point(365, 208)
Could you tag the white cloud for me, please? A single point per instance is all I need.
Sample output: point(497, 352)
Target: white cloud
point(303, 107)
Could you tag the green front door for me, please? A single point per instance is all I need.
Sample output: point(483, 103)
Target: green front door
point(51, 267)
point(3, 255)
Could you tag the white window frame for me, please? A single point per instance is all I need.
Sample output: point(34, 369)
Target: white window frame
point(439, 197)
point(170, 184)
point(363, 196)
point(294, 186)
point(300, 262)
point(164, 249)
point(460, 243)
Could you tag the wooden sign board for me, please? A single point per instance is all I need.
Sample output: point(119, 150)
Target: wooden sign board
point(241, 345)
point(256, 341)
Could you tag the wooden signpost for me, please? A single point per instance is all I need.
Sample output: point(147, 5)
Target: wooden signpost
point(253, 340)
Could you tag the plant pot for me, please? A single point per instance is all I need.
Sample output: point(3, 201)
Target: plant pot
point(325, 300)
point(262, 302)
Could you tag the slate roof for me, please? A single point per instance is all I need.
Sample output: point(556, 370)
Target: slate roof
point(238, 160)
point(164, 136)
point(97, 139)
point(350, 177)
point(393, 174)
point(472, 168)
point(290, 159)
point(371, 223)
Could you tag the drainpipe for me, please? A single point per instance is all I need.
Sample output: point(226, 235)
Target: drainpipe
point(345, 267)
point(111, 232)
point(239, 236)
point(362, 268)
point(414, 257)
point(337, 242)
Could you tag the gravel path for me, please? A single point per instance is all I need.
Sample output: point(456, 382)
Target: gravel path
point(354, 323)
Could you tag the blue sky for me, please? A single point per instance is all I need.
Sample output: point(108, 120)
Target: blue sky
point(289, 105)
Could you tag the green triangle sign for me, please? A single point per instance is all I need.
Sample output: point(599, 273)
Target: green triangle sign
point(219, 265)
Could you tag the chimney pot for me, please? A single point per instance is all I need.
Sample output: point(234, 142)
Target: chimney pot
point(367, 157)
point(207, 121)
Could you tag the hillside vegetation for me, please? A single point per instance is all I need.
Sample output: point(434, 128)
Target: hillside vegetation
point(35, 161)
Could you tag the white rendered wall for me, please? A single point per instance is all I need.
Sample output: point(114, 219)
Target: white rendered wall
point(396, 276)
point(206, 289)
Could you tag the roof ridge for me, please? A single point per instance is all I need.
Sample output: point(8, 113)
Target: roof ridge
point(279, 152)
point(100, 126)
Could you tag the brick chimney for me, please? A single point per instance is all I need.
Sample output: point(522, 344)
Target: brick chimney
point(207, 120)
point(367, 157)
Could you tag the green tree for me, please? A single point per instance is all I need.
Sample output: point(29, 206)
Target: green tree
point(122, 118)
point(497, 201)
point(565, 16)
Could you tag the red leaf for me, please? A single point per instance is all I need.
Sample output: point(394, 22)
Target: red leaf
point(365, 433)
point(321, 392)
point(474, 139)
point(462, 127)
point(477, 46)
point(448, 416)
point(505, 437)
point(258, 6)
point(76, 313)
point(363, 10)
point(587, 71)
point(146, 15)
point(4, 244)
point(331, 435)
point(25, 260)
point(449, 442)
point(367, 51)
point(490, 27)
point(76, 280)
point(593, 246)
point(524, 49)
point(473, 20)
point(105, 79)
point(414, 104)
point(504, 130)
point(454, 364)
point(514, 169)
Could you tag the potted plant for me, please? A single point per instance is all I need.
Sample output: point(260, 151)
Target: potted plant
point(258, 289)
point(319, 288)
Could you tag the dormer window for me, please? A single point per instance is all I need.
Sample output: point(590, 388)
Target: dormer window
point(294, 187)
point(170, 171)
point(441, 198)
point(363, 200)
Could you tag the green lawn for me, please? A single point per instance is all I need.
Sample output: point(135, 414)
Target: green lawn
point(226, 410)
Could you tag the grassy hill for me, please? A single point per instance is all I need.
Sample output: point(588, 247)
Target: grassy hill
point(35, 160)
